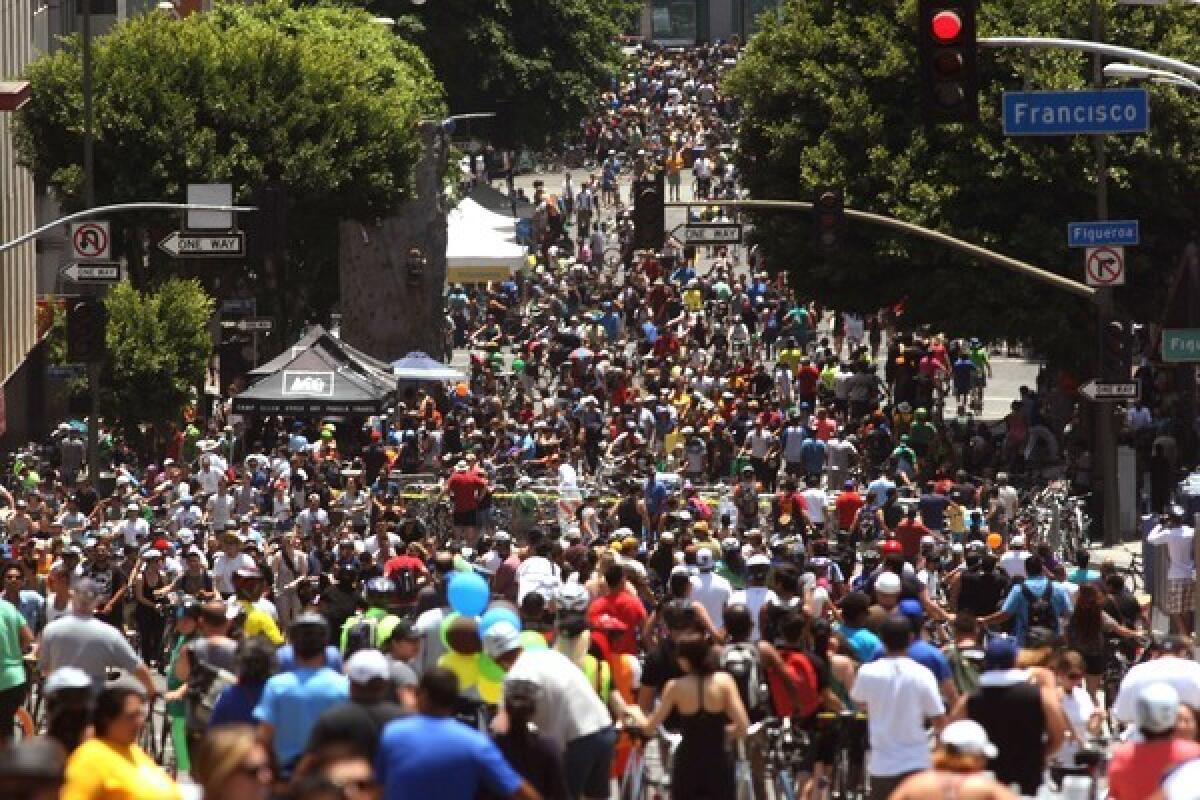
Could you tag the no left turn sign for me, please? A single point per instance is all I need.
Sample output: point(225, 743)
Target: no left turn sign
point(1104, 266)
point(90, 240)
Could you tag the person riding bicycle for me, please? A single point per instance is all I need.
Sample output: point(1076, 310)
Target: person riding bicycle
point(364, 630)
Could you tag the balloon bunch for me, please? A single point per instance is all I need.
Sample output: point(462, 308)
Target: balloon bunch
point(462, 634)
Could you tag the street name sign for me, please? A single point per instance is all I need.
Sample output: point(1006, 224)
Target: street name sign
point(62, 372)
point(1181, 345)
point(712, 233)
point(1104, 266)
point(92, 271)
point(1104, 392)
point(1123, 233)
point(1076, 112)
point(181, 244)
point(258, 324)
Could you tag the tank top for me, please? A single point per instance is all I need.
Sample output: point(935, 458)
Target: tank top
point(1013, 718)
point(628, 516)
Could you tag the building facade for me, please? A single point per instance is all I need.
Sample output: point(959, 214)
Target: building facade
point(686, 22)
point(18, 275)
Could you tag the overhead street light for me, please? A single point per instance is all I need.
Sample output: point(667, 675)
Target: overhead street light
point(1158, 2)
point(1134, 72)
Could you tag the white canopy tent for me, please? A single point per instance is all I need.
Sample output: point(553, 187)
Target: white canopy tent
point(481, 245)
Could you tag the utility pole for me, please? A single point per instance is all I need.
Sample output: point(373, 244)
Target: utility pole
point(1104, 439)
point(89, 200)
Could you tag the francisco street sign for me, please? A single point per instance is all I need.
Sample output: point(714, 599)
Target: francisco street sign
point(712, 233)
point(60, 372)
point(203, 245)
point(1076, 112)
point(1101, 392)
point(1122, 232)
point(92, 272)
point(1181, 345)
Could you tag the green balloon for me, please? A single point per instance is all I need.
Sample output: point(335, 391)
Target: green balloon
point(446, 622)
point(489, 669)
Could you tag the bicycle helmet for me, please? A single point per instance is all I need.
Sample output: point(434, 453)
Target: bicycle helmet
point(379, 590)
point(573, 597)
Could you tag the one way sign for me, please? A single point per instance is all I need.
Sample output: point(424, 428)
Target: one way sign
point(1100, 392)
point(202, 245)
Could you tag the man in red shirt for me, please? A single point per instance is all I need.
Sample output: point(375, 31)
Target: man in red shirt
point(847, 504)
point(622, 604)
point(466, 489)
point(1137, 768)
point(909, 532)
point(806, 382)
point(409, 574)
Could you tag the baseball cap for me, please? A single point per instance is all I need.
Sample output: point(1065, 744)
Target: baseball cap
point(1157, 708)
point(888, 583)
point(911, 607)
point(503, 637)
point(891, 546)
point(65, 678)
point(367, 665)
point(704, 559)
point(968, 736)
point(1018, 541)
point(573, 597)
point(1001, 653)
point(758, 560)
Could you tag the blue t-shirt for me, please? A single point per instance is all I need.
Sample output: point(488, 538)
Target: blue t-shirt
point(291, 703)
point(236, 705)
point(1018, 606)
point(812, 455)
point(421, 757)
point(877, 491)
point(930, 658)
point(285, 658)
point(866, 646)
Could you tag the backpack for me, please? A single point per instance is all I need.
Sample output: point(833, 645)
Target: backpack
point(1041, 609)
point(361, 635)
point(741, 661)
point(406, 584)
point(962, 669)
point(806, 677)
point(205, 685)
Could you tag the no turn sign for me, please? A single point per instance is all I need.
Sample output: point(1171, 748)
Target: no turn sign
point(1104, 266)
point(89, 240)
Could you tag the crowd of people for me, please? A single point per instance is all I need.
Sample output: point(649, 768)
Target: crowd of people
point(686, 512)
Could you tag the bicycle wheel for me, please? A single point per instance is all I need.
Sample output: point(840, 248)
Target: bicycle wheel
point(784, 785)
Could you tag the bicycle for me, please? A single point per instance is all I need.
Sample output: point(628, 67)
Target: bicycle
point(787, 749)
point(847, 778)
point(647, 774)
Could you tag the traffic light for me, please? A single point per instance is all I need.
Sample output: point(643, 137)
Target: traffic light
point(86, 324)
point(831, 217)
point(949, 61)
point(1116, 352)
point(649, 214)
point(266, 228)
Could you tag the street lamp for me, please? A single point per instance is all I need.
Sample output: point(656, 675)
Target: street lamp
point(1134, 72)
point(1158, 2)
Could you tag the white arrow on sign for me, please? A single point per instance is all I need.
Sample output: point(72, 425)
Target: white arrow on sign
point(93, 272)
point(192, 245)
point(1109, 391)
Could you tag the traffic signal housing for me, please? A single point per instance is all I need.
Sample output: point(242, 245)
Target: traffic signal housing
point(1116, 353)
point(949, 61)
point(87, 322)
point(830, 209)
point(649, 214)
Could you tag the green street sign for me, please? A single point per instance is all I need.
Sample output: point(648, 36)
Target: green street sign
point(1181, 345)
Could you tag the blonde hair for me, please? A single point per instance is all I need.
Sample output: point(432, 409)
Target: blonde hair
point(963, 763)
point(220, 754)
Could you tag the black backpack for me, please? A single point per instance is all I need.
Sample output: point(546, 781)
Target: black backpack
point(1041, 609)
point(406, 584)
point(361, 635)
point(741, 661)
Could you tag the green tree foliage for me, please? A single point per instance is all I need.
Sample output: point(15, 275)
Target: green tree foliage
point(831, 97)
point(322, 97)
point(538, 63)
point(159, 345)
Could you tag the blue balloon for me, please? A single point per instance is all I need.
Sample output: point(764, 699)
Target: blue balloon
point(468, 594)
point(499, 614)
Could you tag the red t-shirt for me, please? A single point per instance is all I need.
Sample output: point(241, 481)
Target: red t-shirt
point(397, 563)
point(824, 428)
point(909, 534)
point(1137, 768)
point(627, 608)
point(464, 488)
point(806, 380)
point(847, 506)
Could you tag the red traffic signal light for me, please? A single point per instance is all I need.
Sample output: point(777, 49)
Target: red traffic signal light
point(831, 217)
point(946, 26)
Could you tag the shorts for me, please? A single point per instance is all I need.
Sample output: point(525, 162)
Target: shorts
point(466, 519)
point(587, 762)
point(1179, 596)
point(10, 701)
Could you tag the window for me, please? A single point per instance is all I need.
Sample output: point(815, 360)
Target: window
point(674, 20)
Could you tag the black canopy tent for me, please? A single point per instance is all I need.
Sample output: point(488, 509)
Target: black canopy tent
point(319, 375)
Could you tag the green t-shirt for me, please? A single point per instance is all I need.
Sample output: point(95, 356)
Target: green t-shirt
point(12, 664)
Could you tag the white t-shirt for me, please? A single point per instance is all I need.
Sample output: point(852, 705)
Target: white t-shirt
point(568, 707)
point(815, 499)
point(1078, 708)
point(1013, 562)
point(1183, 674)
point(1179, 548)
point(208, 478)
point(538, 574)
point(134, 529)
point(713, 592)
point(900, 695)
point(754, 598)
point(759, 443)
point(223, 568)
point(220, 510)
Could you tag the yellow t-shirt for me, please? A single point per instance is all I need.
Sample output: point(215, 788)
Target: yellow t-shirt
point(259, 623)
point(693, 300)
point(98, 770)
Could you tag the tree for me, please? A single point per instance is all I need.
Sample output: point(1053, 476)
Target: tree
point(539, 64)
point(159, 345)
point(830, 92)
point(321, 97)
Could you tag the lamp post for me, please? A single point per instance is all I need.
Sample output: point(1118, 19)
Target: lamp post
point(1135, 72)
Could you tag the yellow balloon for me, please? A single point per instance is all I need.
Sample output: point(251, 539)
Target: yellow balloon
point(466, 668)
point(489, 691)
